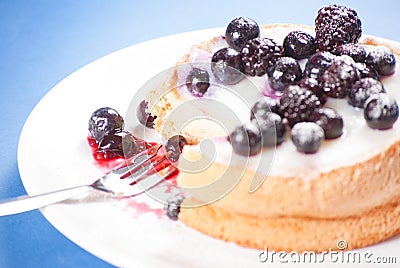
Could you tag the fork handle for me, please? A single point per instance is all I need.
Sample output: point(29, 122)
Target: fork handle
point(27, 203)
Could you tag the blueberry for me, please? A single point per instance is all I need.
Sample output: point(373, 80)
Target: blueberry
point(317, 64)
point(104, 121)
point(299, 45)
point(381, 111)
point(144, 117)
point(197, 82)
point(173, 206)
point(366, 71)
point(118, 144)
point(240, 30)
point(307, 137)
point(272, 128)
point(227, 66)
point(382, 60)
point(246, 139)
point(175, 145)
point(329, 120)
point(285, 72)
point(363, 89)
point(356, 51)
point(264, 106)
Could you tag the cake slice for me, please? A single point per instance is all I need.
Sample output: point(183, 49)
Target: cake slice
point(302, 122)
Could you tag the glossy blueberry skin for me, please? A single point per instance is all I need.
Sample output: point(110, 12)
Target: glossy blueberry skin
point(272, 127)
point(330, 121)
point(227, 67)
point(366, 71)
point(307, 137)
point(198, 82)
point(144, 117)
point(264, 106)
point(299, 45)
point(246, 139)
point(173, 206)
point(119, 144)
point(240, 30)
point(382, 60)
point(284, 73)
point(175, 145)
point(381, 111)
point(104, 121)
point(356, 51)
point(317, 64)
point(363, 89)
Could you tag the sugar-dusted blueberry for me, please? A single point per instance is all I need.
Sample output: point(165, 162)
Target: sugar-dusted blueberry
point(272, 127)
point(227, 66)
point(144, 117)
point(246, 139)
point(382, 60)
point(197, 82)
point(173, 206)
point(381, 111)
point(299, 45)
point(104, 121)
point(118, 144)
point(317, 64)
point(285, 72)
point(174, 147)
point(363, 89)
point(307, 137)
point(366, 71)
point(264, 106)
point(240, 30)
point(329, 120)
point(356, 51)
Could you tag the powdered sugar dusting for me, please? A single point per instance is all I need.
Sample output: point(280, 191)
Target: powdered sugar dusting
point(307, 131)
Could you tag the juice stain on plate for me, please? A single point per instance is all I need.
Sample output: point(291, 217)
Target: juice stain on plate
point(139, 208)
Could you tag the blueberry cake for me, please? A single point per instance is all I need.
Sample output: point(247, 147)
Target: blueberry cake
point(325, 115)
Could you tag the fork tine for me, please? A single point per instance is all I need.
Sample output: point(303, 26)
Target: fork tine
point(137, 167)
point(137, 160)
point(142, 160)
point(143, 172)
point(139, 175)
point(151, 182)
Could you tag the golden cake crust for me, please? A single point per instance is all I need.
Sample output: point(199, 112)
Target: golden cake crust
point(296, 233)
point(358, 203)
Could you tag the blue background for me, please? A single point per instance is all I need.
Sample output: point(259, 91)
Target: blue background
point(43, 41)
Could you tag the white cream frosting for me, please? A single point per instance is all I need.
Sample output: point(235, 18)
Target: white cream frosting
point(357, 144)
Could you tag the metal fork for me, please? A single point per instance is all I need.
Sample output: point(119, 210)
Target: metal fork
point(129, 179)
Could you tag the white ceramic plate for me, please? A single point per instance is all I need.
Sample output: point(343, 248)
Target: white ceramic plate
point(53, 154)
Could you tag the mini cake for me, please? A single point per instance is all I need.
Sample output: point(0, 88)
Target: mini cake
point(315, 156)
